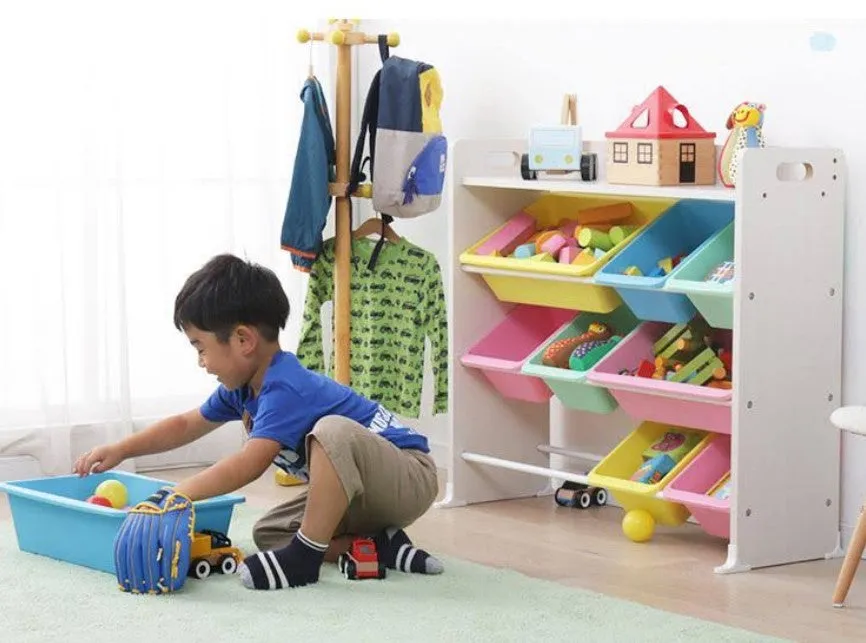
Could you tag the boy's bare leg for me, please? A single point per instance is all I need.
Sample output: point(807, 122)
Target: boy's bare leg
point(326, 499)
point(299, 562)
point(339, 545)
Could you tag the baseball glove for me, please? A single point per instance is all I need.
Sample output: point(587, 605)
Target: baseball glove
point(152, 547)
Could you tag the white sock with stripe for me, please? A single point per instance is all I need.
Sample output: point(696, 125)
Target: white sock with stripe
point(294, 565)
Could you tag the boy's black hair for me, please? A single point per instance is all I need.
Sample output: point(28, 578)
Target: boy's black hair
point(228, 291)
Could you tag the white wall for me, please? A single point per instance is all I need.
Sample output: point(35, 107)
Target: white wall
point(502, 77)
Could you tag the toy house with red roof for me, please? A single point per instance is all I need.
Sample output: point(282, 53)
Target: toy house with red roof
point(660, 143)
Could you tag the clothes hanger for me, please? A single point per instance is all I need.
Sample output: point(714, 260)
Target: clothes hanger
point(374, 225)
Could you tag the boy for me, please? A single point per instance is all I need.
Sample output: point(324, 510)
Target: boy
point(368, 474)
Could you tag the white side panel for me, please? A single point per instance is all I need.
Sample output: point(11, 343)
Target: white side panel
point(482, 420)
point(787, 358)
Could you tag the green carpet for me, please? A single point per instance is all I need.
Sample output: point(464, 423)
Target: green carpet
point(47, 601)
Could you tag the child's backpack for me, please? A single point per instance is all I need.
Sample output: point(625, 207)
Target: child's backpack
point(408, 152)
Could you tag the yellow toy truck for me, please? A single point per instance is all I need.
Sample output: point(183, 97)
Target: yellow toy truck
point(212, 550)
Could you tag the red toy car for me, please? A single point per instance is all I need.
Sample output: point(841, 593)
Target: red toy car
point(361, 561)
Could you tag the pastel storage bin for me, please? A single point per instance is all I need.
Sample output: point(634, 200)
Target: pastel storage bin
point(52, 518)
point(553, 284)
point(683, 229)
point(700, 407)
point(502, 352)
point(570, 385)
point(690, 487)
point(614, 471)
point(713, 300)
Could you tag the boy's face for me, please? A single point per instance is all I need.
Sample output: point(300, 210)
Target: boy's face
point(230, 361)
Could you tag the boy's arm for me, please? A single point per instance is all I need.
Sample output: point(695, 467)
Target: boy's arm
point(164, 435)
point(232, 472)
point(167, 434)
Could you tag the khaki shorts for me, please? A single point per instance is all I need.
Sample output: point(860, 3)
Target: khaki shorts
point(386, 486)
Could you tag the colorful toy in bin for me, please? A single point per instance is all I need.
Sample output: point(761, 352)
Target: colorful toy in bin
point(661, 458)
point(651, 147)
point(722, 273)
point(691, 354)
point(560, 352)
point(558, 149)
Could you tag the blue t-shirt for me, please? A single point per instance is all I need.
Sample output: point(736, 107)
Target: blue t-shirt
point(291, 401)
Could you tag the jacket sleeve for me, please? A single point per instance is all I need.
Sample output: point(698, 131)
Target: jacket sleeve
point(309, 199)
point(436, 328)
point(320, 288)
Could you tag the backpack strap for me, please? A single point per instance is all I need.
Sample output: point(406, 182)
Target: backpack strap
point(369, 121)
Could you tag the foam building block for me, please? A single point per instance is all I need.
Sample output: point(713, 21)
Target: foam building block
point(567, 227)
point(553, 244)
point(605, 213)
point(568, 254)
point(517, 230)
point(542, 256)
point(524, 251)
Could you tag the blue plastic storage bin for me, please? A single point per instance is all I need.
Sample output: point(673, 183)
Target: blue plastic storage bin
point(684, 228)
point(52, 518)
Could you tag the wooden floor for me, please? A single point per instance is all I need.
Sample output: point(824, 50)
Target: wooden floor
point(586, 549)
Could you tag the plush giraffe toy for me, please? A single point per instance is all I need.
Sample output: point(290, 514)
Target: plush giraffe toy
point(745, 122)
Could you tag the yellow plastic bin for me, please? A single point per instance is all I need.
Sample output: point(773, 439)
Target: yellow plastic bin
point(614, 472)
point(569, 384)
point(549, 282)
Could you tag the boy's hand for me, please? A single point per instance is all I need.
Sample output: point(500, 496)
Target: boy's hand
point(97, 460)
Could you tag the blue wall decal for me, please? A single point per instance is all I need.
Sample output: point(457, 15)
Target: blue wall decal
point(822, 41)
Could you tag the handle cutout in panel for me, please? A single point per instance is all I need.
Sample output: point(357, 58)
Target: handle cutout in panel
point(794, 171)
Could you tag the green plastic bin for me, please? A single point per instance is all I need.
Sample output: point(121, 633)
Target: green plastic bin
point(714, 301)
point(569, 385)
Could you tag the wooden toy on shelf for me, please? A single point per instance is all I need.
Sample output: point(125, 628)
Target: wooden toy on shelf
point(557, 150)
point(745, 123)
point(660, 143)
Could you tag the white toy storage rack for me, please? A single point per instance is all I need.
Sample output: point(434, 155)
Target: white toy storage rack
point(787, 348)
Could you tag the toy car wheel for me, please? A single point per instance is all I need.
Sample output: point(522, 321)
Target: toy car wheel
point(600, 497)
point(585, 499)
point(383, 571)
point(201, 569)
point(525, 172)
point(562, 497)
point(228, 565)
point(589, 167)
point(350, 570)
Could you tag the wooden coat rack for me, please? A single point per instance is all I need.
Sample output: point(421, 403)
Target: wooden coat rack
point(343, 36)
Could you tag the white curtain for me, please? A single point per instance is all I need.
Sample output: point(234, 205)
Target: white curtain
point(136, 141)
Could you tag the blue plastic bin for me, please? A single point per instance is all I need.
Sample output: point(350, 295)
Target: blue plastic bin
point(684, 228)
point(52, 518)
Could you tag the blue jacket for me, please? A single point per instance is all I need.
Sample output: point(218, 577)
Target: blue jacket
point(315, 166)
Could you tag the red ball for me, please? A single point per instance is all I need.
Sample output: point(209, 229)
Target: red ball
point(99, 500)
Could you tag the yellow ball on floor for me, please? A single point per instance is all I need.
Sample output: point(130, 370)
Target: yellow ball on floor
point(638, 525)
point(114, 491)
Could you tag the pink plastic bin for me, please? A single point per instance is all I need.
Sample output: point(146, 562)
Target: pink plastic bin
point(688, 405)
point(501, 353)
point(690, 487)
